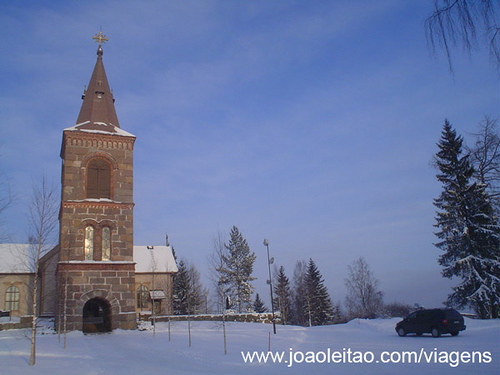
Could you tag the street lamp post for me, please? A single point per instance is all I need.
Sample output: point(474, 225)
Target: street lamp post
point(270, 282)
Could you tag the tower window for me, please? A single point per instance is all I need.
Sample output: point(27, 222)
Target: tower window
point(12, 298)
point(98, 179)
point(106, 243)
point(89, 243)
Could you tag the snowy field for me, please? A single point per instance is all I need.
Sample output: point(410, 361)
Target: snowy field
point(139, 352)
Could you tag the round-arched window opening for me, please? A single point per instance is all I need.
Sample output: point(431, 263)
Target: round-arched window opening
point(98, 179)
point(96, 316)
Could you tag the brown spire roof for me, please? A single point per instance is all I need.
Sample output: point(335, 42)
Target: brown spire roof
point(98, 108)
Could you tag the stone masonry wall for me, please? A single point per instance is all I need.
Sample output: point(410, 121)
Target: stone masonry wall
point(77, 211)
point(113, 283)
point(79, 148)
point(76, 215)
point(80, 280)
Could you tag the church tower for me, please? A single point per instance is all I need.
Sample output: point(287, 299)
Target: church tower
point(96, 270)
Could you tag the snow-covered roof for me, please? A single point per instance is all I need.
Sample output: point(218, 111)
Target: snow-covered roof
point(99, 128)
point(13, 258)
point(154, 258)
point(157, 294)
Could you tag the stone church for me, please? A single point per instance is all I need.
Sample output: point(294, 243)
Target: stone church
point(96, 279)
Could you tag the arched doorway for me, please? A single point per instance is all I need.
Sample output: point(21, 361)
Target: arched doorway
point(96, 316)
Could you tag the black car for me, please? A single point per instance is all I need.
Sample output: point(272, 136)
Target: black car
point(434, 321)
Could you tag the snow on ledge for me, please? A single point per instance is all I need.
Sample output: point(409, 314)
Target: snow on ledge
point(94, 200)
point(115, 130)
point(96, 262)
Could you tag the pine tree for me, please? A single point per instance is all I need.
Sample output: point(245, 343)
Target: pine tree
point(318, 304)
point(468, 230)
point(282, 300)
point(181, 289)
point(237, 270)
point(258, 305)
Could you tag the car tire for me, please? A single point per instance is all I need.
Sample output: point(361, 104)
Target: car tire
point(419, 333)
point(435, 332)
point(401, 332)
point(455, 333)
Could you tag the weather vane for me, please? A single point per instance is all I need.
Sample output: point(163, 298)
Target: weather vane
point(100, 38)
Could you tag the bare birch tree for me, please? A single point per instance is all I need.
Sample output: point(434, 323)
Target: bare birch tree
point(485, 157)
point(455, 22)
point(363, 298)
point(216, 264)
point(43, 222)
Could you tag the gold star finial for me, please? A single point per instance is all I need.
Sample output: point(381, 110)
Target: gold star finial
point(100, 38)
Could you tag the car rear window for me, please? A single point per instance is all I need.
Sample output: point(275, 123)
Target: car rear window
point(452, 314)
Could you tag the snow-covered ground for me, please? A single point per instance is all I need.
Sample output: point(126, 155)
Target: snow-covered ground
point(139, 352)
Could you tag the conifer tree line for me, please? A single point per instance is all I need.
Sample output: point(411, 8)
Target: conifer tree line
point(467, 220)
point(232, 265)
point(306, 300)
point(302, 300)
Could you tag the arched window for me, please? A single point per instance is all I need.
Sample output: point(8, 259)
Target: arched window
point(106, 243)
point(142, 296)
point(98, 179)
point(89, 242)
point(12, 298)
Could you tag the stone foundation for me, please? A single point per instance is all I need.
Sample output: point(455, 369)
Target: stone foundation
point(24, 322)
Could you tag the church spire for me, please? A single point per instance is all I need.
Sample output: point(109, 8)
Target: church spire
point(98, 108)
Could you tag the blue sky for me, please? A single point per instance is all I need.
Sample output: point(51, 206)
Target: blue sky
point(310, 123)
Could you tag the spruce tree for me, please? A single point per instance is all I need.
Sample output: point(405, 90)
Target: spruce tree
point(468, 230)
point(282, 300)
point(181, 289)
point(237, 270)
point(258, 305)
point(318, 304)
point(299, 294)
point(187, 289)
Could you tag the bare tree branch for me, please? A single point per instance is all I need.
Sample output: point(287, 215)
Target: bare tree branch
point(363, 298)
point(216, 264)
point(485, 157)
point(456, 22)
